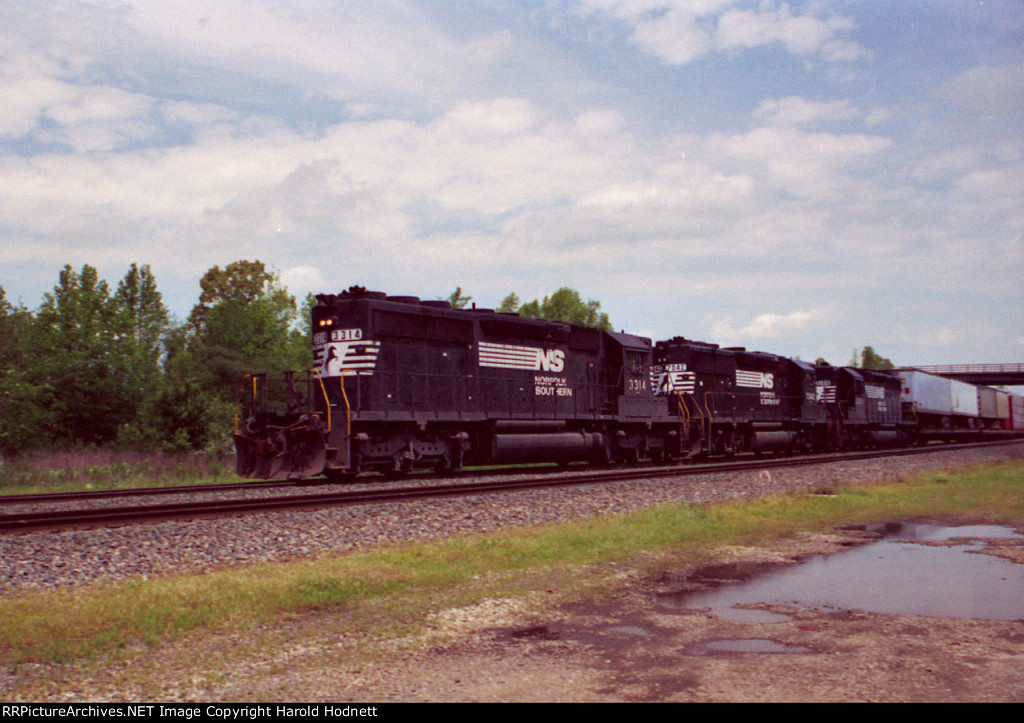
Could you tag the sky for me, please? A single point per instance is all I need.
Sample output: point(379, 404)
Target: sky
point(802, 177)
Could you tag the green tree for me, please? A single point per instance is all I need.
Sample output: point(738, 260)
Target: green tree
point(245, 322)
point(141, 325)
point(509, 304)
point(458, 300)
point(77, 348)
point(24, 413)
point(870, 360)
point(564, 305)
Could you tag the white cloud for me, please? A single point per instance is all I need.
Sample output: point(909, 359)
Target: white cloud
point(799, 34)
point(680, 31)
point(986, 90)
point(501, 116)
point(302, 280)
point(765, 326)
point(795, 111)
point(349, 50)
point(808, 164)
point(397, 146)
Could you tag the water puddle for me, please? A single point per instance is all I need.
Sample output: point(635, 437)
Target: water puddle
point(742, 645)
point(893, 575)
point(631, 630)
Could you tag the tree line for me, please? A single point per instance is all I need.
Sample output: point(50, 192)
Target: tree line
point(95, 365)
point(564, 305)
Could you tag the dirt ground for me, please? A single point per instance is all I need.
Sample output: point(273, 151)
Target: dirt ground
point(630, 649)
point(627, 646)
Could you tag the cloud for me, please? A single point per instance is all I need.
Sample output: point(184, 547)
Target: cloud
point(302, 280)
point(407, 146)
point(800, 34)
point(389, 50)
point(808, 164)
point(766, 326)
point(797, 111)
point(987, 90)
point(680, 31)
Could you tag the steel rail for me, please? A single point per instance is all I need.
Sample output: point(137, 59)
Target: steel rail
point(46, 497)
point(118, 516)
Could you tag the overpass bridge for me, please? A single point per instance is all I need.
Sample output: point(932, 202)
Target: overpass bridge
point(988, 374)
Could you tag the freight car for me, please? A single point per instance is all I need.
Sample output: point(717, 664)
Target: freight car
point(399, 384)
point(1015, 421)
point(945, 409)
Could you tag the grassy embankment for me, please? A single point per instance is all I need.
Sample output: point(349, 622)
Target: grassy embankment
point(391, 590)
point(93, 469)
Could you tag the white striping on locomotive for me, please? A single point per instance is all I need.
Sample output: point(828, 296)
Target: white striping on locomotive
point(346, 358)
point(507, 356)
point(755, 380)
point(674, 382)
point(874, 391)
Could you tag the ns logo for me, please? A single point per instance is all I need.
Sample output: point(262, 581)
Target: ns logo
point(552, 360)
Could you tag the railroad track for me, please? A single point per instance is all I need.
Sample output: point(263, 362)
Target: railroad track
point(14, 522)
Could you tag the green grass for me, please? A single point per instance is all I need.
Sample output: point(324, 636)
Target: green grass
point(389, 590)
point(42, 471)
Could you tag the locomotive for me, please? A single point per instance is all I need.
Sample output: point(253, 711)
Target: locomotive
point(399, 384)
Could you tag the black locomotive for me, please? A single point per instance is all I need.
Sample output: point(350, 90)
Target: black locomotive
point(399, 384)
point(732, 400)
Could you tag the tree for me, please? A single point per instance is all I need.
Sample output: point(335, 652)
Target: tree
point(245, 322)
point(509, 304)
point(141, 326)
point(457, 300)
point(870, 360)
point(564, 305)
point(241, 282)
point(24, 414)
point(78, 350)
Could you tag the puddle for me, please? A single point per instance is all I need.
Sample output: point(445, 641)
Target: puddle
point(742, 645)
point(887, 576)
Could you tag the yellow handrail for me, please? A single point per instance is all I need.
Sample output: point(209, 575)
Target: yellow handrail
point(348, 407)
point(327, 401)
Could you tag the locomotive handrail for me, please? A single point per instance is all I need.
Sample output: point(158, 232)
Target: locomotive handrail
point(348, 407)
point(238, 399)
point(683, 412)
point(327, 400)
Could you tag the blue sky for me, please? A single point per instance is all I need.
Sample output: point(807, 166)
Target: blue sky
point(799, 177)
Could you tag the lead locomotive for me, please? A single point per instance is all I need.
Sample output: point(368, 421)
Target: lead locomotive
point(399, 384)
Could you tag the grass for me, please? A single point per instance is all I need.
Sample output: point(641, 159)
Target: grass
point(97, 468)
point(390, 590)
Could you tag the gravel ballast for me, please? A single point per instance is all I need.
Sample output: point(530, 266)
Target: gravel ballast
point(56, 559)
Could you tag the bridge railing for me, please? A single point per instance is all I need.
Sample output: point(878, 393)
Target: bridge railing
point(973, 369)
